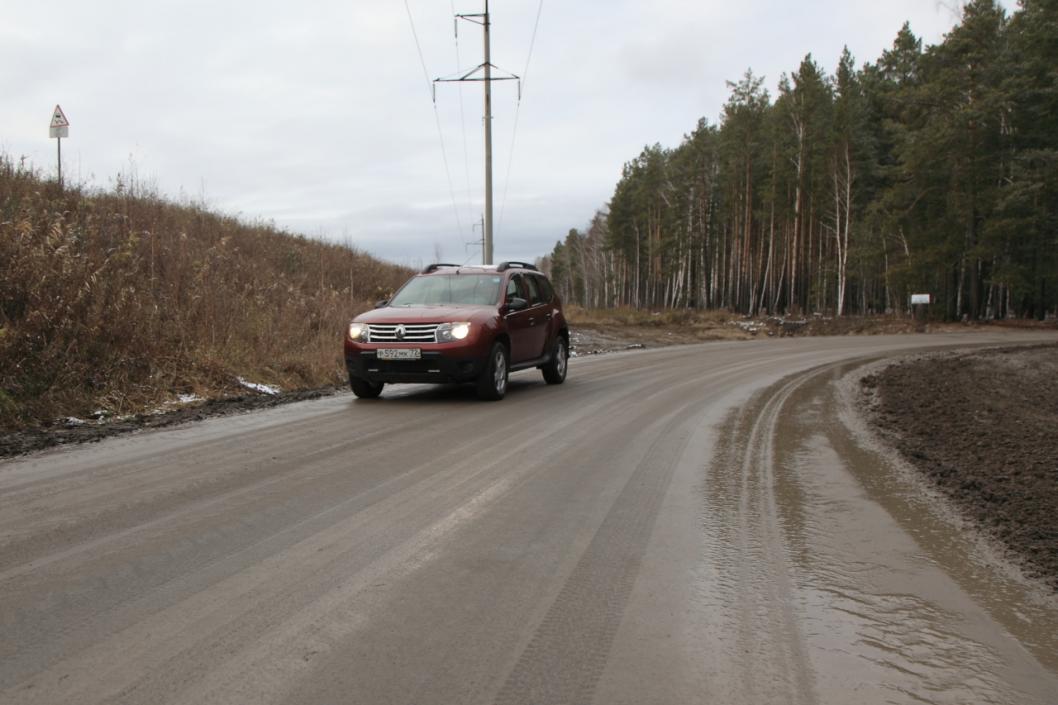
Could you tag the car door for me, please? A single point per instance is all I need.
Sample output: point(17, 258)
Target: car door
point(519, 323)
point(539, 316)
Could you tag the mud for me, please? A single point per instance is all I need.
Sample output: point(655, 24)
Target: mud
point(982, 427)
point(829, 578)
point(14, 443)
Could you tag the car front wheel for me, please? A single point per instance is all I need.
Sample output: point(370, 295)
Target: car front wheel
point(492, 383)
point(555, 370)
point(365, 389)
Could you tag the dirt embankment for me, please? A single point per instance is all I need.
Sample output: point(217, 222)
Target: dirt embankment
point(983, 428)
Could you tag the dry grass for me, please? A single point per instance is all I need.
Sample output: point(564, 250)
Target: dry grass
point(118, 301)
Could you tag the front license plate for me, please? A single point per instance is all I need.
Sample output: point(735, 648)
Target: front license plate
point(399, 354)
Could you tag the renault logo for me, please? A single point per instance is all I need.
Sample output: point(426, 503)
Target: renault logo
point(400, 332)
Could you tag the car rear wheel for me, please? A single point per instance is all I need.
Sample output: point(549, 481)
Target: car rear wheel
point(364, 388)
point(555, 370)
point(492, 383)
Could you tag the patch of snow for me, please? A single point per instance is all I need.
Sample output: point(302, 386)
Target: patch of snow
point(753, 327)
point(180, 400)
point(263, 388)
point(71, 421)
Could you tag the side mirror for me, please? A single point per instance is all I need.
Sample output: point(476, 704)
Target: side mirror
point(516, 304)
point(382, 304)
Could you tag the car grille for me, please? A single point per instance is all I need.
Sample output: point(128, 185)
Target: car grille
point(404, 366)
point(410, 333)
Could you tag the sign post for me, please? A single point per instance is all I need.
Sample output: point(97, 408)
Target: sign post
point(918, 302)
point(59, 128)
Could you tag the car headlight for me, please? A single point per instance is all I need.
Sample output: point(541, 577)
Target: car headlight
point(451, 332)
point(359, 333)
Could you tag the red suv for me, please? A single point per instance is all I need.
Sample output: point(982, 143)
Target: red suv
point(460, 324)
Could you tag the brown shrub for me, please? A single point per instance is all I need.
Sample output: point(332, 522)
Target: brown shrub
point(117, 301)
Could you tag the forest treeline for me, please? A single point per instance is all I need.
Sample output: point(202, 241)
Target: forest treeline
point(113, 302)
point(931, 170)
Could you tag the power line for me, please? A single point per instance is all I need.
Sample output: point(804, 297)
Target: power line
point(517, 113)
point(437, 120)
point(532, 41)
point(418, 47)
point(462, 111)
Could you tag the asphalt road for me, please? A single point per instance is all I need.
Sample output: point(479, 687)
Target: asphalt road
point(703, 524)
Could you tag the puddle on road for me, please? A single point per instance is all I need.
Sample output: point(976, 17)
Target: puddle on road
point(878, 612)
point(829, 578)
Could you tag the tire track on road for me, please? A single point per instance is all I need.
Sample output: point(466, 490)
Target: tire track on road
point(567, 654)
point(767, 662)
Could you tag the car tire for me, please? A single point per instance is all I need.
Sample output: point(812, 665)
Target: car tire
point(555, 369)
point(365, 389)
point(492, 382)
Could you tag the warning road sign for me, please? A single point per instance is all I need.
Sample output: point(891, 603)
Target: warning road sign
point(60, 126)
point(58, 118)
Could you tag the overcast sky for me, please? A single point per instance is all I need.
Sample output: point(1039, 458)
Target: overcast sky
point(317, 114)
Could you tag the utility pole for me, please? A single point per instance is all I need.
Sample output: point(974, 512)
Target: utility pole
point(483, 73)
point(488, 138)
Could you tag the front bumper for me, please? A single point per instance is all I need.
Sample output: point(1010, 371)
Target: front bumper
point(433, 367)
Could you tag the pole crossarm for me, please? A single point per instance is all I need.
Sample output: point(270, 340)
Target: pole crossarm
point(477, 17)
point(469, 75)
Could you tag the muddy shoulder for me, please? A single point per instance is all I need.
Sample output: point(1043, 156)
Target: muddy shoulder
point(982, 427)
point(72, 432)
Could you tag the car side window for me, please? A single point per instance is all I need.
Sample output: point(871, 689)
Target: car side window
point(512, 287)
point(533, 287)
point(545, 289)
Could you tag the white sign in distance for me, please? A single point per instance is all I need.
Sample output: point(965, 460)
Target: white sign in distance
point(60, 126)
point(921, 299)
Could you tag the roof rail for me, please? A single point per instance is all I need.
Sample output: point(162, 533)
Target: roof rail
point(504, 266)
point(436, 266)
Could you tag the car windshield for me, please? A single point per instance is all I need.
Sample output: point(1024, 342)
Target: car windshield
point(443, 289)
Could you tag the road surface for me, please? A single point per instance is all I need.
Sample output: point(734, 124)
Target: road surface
point(701, 524)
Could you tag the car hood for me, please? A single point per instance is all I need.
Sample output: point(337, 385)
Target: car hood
point(427, 314)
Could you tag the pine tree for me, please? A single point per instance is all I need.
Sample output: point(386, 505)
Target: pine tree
point(931, 170)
